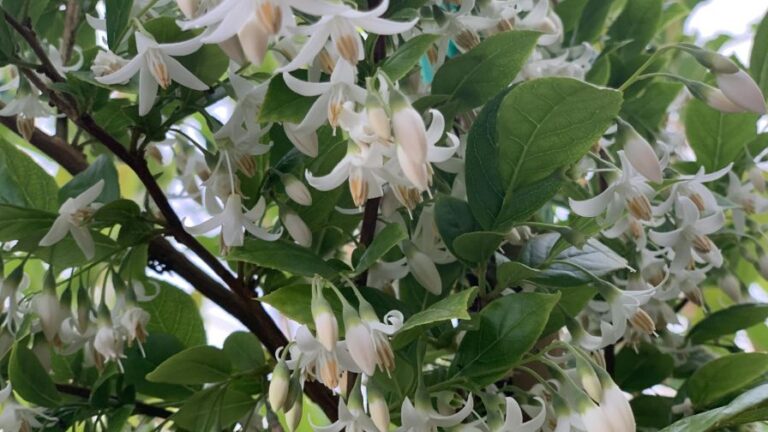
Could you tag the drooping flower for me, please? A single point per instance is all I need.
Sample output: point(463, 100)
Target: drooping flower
point(352, 417)
point(108, 343)
point(691, 235)
point(296, 227)
point(743, 195)
point(233, 221)
point(73, 217)
point(326, 325)
point(27, 107)
point(49, 309)
point(311, 358)
point(156, 66)
point(424, 418)
point(15, 417)
point(639, 152)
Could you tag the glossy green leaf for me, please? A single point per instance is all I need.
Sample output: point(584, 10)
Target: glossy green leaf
point(593, 20)
point(118, 15)
point(508, 327)
point(717, 138)
point(213, 409)
point(23, 182)
point(728, 415)
point(724, 376)
point(638, 368)
point(728, 321)
point(175, 313)
point(452, 307)
point(196, 365)
point(473, 78)
point(389, 237)
point(282, 104)
point(101, 169)
point(549, 123)
point(477, 247)
point(572, 300)
point(402, 61)
point(284, 256)
point(758, 61)
point(453, 218)
point(512, 272)
point(637, 23)
point(244, 351)
point(522, 202)
point(30, 380)
point(156, 349)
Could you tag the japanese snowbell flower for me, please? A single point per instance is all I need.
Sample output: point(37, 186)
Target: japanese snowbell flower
point(621, 306)
point(332, 95)
point(630, 191)
point(15, 417)
point(411, 139)
point(315, 362)
point(742, 90)
point(423, 269)
point(513, 418)
point(424, 418)
point(156, 66)
point(340, 25)
point(49, 309)
point(691, 235)
point(743, 195)
point(233, 220)
point(692, 187)
point(368, 342)
point(326, 325)
point(352, 417)
point(27, 107)
point(639, 152)
point(74, 214)
point(108, 342)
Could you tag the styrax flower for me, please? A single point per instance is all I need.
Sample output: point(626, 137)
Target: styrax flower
point(26, 107)
point(352, 417)
point(233, 220)
point(74, 214)
point(424, 418)
point(156, 66)
point(15, 417)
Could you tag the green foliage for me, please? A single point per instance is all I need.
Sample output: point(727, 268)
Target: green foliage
point(728, 321)
point(174, 313)
point(402, 61)
point(725, 376)
point(30, 379)
point(717, 138)
point(23, 183)
point(196, 365)
point(386, 239)
point(740, 411)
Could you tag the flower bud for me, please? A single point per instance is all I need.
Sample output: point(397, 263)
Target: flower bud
point(46, 305)
point(423, 269)
point(639, 152)
point(731, 287)
point(305, 142)
point(411, 136)
point(359, 341)
point(717, 63)
point(742, 90)
point(296, 190)
point(589, 380)
point(378, 408)
point(326, 326)
point(278, 387)
point(253, 39)
point(377, 116)
point(293, 416)
point(713, 97)
point(763, 266)
point(296, 227)
point(757, 179)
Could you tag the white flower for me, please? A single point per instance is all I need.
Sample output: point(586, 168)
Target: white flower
point(424, 418)
point(18, 418)
point(367, 337)
point(616, 408)
point(351, 418)
point(639, 152)
point(156, 66)
point(332, 95)
point(315, 362)
point(134, 320)
point(629, 191)
point(49, 309)
point(279, 385)
point(108, 342)
point(26, 107)
point(296, 227)
point(326, 325)
point(233, 220)
point(74, 214)
point(692, 187)
point(513, 418)
point(107, 62)
point(296, 190)
point(621, 306)
point(340, 25)
point(423, 269)
point(744, 196)
point(691, 235)
point(378, 408)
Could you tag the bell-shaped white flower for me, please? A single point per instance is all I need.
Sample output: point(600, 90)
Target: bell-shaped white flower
point(49, 309)
point(107, 62)
point(311, 358)
point(15, 417)
point(156, 66)
point(352, 417)
point(424, 418)
point(134, 320)
point(639, 152)
point(377, 407)
point(423, 269)
point(73, 217)
point(742, 90)
point(340, 25)
point(630, 191)
point(296, 227)
point(744, 195)
point(691, 235)
point(27, 107)
point(279, 385)
point(108, 342)
point(326, 325)
point(513, 418)
point(232, 221)
point(332, 95)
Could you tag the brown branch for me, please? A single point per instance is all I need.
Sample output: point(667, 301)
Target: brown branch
point(138, 407)
point(29, 35)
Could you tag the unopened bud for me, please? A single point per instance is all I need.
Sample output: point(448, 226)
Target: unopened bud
point(731, 287)
point(377, 117)
point(305, 142)
point(378, 408)
point(717, 63)
point(296, 227)
point(639, 152)
point(278, 387)
point(296, 190)
point(293, 416)
point(423, 269)
point(326, 325)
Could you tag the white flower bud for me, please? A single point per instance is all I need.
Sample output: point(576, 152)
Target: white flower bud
point(378, 409)
point(423, 269)
point(296, 190)
point(640, 153)
point(296, 227)
point(278, 387)
point(305, 142)
point(411, 136)
point(617, 410)
point(742, 90)
point(107, 62)
point(379, 122)
point(253, 39)
point(757, 179)
point(731, 287)
point(293, 416)
point(48, 308)
point(359, 342)
point(326, 326)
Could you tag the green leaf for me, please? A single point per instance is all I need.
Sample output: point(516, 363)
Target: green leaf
point(508, 328)
point(284, 256)
point(30, 380)
point(728, 321)
point(385, 240)
point(572, 300)
point(118, 211)
point(118, 15)
point(735, 413)
point(452, 307)
point(402, 61)
point(724, 376)
point(520, 203)
point(477, 247)
point(23, 183)
point(593, 21)
point(717, 138)
point(175, 313)
point(196, 365)
point(652, 411)
point(101, 169)
point(600, 260)
point(213, 409)
point(137, 364)
point(512, 272)
point(473, 78)
point(453, 218)
point(548, 123)
point(244, 351)
point(647, 110)
point(281, 104)
point(758, 63)
point(570, 11)
point(638, 22)
point(638, 368)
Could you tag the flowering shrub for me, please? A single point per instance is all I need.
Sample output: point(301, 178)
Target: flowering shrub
point(491, 215)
